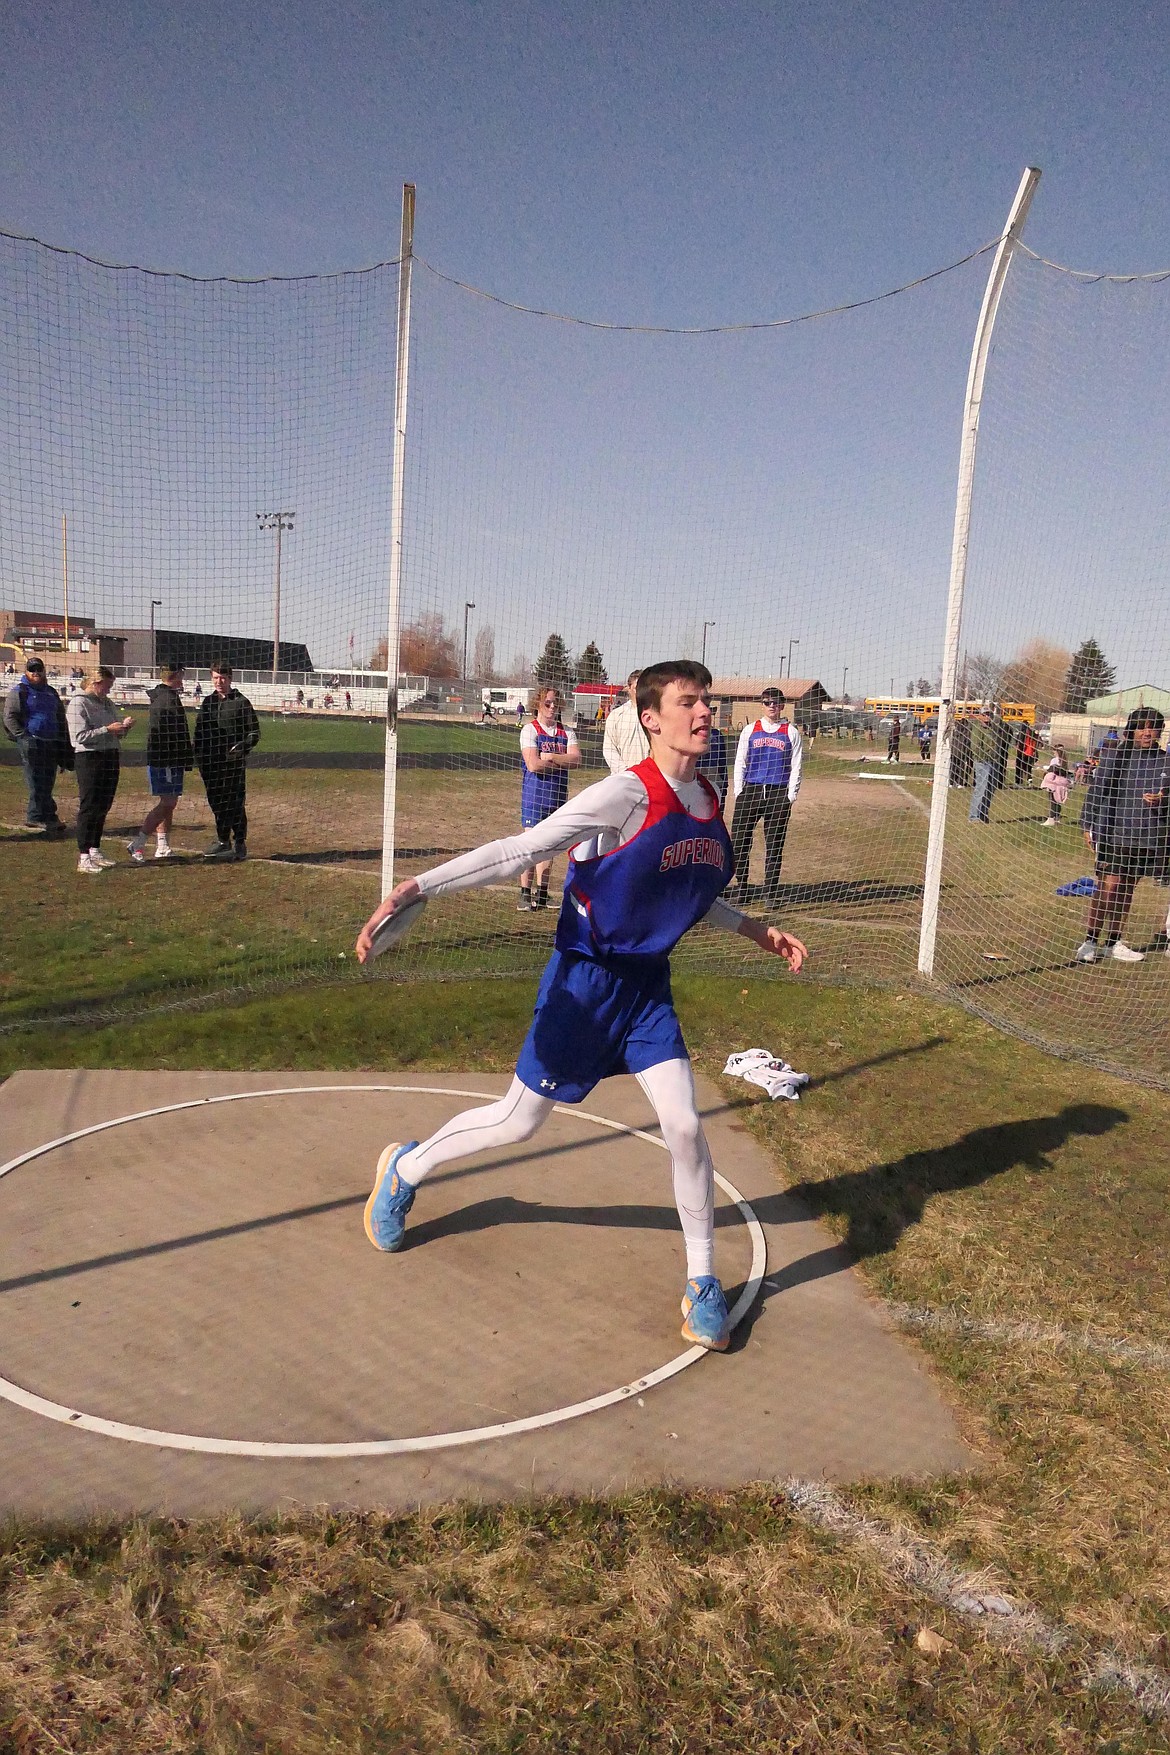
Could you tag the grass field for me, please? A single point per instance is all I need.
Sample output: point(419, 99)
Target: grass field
point(968, 1180)
point(852, 890)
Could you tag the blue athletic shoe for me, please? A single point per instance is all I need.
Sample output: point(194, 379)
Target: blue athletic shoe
point(390, 1200)
point(705, 1309)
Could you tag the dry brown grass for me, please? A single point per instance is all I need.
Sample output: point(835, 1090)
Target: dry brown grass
point(655, 1623)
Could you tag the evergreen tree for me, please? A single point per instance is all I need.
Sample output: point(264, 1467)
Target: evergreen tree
point(554, 667)
point(1089, 675)
point(591, 666)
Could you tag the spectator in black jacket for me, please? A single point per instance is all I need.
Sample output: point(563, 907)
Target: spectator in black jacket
point(226, 730)
point(1124, 819)
point(34, 718)
point(169, 755)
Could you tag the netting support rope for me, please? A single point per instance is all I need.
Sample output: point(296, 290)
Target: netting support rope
point(996, 280)
point(397, 481)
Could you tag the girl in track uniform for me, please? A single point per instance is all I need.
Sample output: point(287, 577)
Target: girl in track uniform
point(650, 857)
point(547, 751)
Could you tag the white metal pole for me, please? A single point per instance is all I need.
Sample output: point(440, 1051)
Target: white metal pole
point(276, 602)
point(1001, 262)
point(397, 482)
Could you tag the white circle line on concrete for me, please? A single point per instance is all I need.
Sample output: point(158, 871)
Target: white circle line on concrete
point(50, 1410)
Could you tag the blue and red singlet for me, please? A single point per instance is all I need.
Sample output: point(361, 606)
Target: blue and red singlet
point(546, 790)
point(769, 756)
point(639, 899)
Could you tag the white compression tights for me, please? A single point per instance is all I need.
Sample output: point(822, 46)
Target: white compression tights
point(670, 1087)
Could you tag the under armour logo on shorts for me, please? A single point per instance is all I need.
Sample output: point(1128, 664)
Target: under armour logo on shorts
point(548, 1084)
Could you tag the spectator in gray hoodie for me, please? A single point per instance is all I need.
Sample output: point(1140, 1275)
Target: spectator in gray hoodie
point(96, 732)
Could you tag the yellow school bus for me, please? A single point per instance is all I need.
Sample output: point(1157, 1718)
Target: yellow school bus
point(924, 708)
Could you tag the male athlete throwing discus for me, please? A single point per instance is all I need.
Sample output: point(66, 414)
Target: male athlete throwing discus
point(650, 857)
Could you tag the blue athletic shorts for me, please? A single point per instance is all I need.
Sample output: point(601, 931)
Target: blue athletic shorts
point(165, 782)
point(592, 1022)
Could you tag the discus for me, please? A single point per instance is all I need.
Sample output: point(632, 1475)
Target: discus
point(395, 927)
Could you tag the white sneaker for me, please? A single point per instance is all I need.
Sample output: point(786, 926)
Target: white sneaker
point(88, 864)
point(1049, 823)
point(100, 860)
point(1089, 952)
point(137, 849)
point(164, 850)
point(1121, 953)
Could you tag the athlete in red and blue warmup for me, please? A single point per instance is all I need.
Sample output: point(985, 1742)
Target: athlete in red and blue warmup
point(650, 857)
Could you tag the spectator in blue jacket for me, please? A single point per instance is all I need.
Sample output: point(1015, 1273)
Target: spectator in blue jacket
point(34, 718)
point(714, 763)
point(1124, 819)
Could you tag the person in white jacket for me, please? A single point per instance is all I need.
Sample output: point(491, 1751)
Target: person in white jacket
point(768, 762)
point(625, 744)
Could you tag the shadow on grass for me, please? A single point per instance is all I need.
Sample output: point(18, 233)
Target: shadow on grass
point(340, 855)
point(845, 1072)
point(848, 892)
point(883, 1201)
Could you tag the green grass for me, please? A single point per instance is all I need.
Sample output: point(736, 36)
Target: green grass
point(292, 733)
point(964, 1171)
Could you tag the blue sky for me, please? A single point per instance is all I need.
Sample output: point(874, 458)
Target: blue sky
point(648, 164)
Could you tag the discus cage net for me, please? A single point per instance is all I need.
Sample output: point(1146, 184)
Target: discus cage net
point(199, 469)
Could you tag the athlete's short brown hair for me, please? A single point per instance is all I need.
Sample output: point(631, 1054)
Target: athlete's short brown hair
point(653, 680)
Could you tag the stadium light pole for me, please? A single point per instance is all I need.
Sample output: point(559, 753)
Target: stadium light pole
point(155, 603)
point(706, 625)
point(977, 371)
point(278, 521)
point(65, 579)
point(467, 609)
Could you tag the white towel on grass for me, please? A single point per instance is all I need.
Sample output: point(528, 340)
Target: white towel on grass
point(778, 1079)
point(759, 1066)
point(737, 1064)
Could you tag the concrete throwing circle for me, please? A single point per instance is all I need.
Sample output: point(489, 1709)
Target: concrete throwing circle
point(50, 1410)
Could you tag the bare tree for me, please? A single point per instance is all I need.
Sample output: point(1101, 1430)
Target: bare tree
point(1038, 673)
point(982, 676)
point(425, 648)
point(483, 659)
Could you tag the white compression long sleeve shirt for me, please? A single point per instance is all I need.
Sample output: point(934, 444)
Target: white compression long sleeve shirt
point(602, 817)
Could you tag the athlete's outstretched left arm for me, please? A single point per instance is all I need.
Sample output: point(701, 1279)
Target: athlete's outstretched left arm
point(769, 938)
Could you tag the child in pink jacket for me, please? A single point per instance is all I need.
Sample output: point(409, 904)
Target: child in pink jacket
point(1056, 783)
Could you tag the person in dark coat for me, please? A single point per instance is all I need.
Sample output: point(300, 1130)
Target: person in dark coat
point(1124, 819)
point(713, 763)
point(226, 731)
point(169, 756)
point(34, 718)
point(962, 766)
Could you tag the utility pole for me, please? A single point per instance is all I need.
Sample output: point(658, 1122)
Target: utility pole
point(467, 609)
point(706, 625)
point(844, 680)
point(278, 521)
point(65, 578)
point(155, 603)
point(791, 644)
